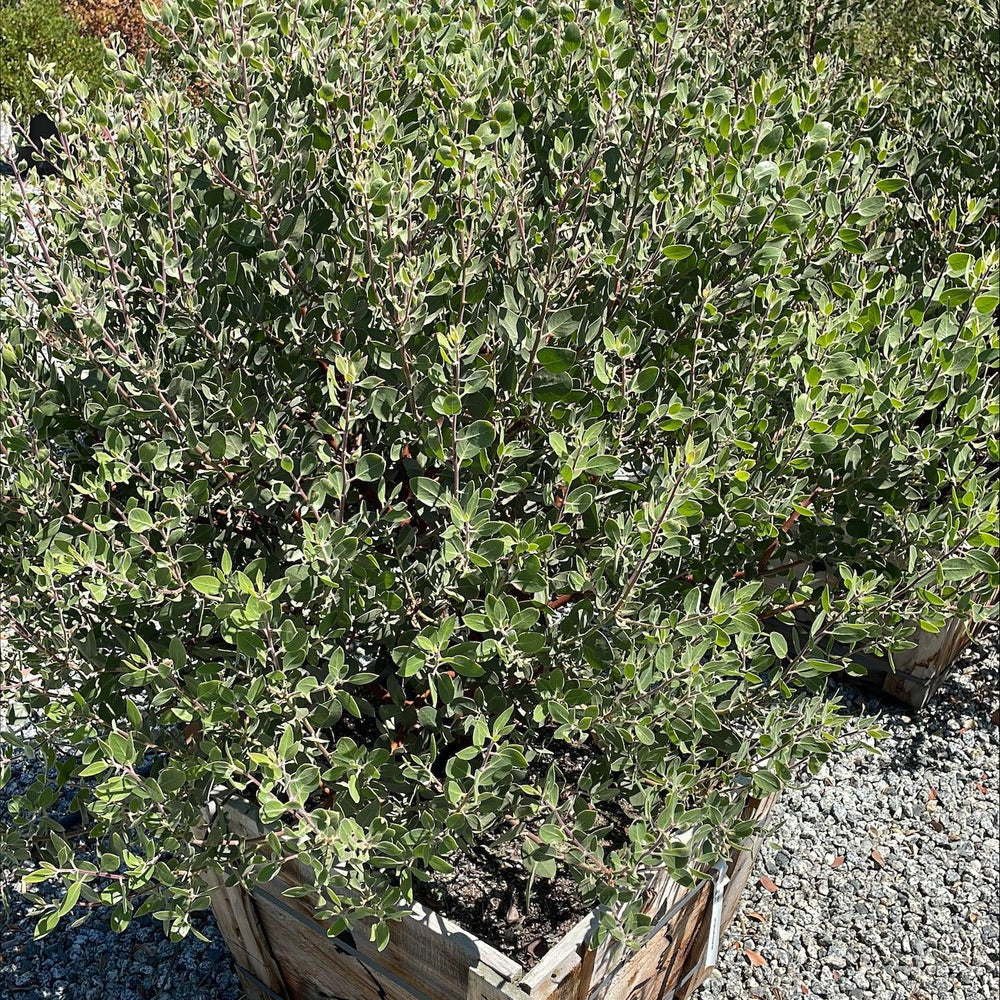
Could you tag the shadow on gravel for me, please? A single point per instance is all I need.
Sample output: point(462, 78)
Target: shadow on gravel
point(91, 962)
point(970, 694)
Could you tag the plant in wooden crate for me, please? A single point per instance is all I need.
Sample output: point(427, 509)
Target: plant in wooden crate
point(941, 58)
point(393, 435)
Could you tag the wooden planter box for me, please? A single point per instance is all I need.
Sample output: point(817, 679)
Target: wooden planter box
point(283, 953)
point(915, 674)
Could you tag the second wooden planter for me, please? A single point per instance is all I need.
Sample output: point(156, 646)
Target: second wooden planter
point(914, 675)
point(282, 952)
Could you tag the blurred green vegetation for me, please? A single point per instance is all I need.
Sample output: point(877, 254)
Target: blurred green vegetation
point(41, 28)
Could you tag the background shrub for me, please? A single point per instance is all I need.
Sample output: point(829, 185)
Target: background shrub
point(411, 398)
point(103, 18)
point(41, 28)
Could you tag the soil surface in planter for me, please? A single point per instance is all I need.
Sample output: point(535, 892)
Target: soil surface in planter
point(487, 894)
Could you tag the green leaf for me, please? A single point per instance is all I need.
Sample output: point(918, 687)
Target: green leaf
point(706, 716)
point(429, 491)
point(959, 263)
point(556, 359)
point(964, 567)
point(369, 468)
point(983, 561)
point(450, 404)
point(771, 141)
point(139, 520)
point(70, 900)
point(787, 223)
point(868, 208)
point(778, 644)
point(549, 833)
point(474, 438)
point(765, 782)
point(677, 251)
point(209, 585)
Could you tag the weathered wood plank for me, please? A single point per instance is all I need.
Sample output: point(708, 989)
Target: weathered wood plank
point(240, 925)
point(665, 896)
point(559, 974)
point(487, 984)
point(586, 974)
point(920, 671)
point(319, 968)
point(740, 867)
point(915, 674)
point(657, 968)
point(426, 953)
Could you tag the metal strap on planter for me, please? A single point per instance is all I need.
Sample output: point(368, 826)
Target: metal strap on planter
point(719, 881)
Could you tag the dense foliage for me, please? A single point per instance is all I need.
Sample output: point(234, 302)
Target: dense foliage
point(421, 417)
point(40, 29)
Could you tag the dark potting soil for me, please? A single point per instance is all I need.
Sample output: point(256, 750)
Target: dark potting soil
point(487, 895)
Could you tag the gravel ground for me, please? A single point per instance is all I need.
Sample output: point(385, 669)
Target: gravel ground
point(91, 962)
point(880, 881)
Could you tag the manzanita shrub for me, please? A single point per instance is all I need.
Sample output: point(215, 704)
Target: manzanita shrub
point(425, 419)
point(942, 58)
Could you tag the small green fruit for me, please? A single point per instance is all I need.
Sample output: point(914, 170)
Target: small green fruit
point(504, 112)
point(572, 36)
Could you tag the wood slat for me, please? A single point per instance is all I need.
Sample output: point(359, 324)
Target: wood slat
point(665, 895)
point(486, 983)
point(657, 968)
point(240, 925)
point(559, 974)
point(427, 953)
point(920, 671)
point(740, 868)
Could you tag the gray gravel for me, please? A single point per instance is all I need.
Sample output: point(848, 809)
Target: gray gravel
point(919, 919)
point(884, 890)
point(92, 962)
